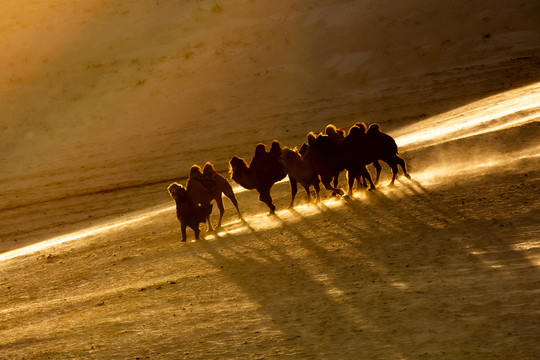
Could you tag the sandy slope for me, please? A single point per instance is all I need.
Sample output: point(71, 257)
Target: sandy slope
point(129, 95)
point(445, 271)
point(443, 267)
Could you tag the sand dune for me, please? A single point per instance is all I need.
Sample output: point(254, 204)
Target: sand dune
point(105, 103)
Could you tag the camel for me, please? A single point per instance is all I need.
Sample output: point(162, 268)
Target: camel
point(366, 146)
point(264, 170)
point(385, 148)
point(325, 155)
point(357, 157)
point(187, 211)
point(207, 185)
point(331, 152)
point(299, 170)
point(337, 135)
point(375, 163)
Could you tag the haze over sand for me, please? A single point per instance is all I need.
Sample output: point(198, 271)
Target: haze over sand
point(104, 103)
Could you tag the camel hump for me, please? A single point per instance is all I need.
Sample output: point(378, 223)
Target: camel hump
point(195, 172)
point(336, 134)
point(288, 153)
point(275, 148)
point(373, 129)
point(208, 177)
point(260, 149)
point(311, 137)
point(208, 169)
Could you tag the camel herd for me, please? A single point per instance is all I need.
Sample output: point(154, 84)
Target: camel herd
point(321, 159)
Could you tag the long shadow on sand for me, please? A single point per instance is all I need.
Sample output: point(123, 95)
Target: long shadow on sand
point(394, 269)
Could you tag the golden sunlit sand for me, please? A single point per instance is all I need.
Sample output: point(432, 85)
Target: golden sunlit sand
point(443, 128)
point(105, 103)
point(504, 110)
point(80, 235)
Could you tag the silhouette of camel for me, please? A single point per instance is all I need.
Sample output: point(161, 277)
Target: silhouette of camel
point(299, 170)
point(324, 152)
point(264, 170)
point(364, 146)
point(188, 212)
point(207, 185)
point(357, 156)
point(385, 148)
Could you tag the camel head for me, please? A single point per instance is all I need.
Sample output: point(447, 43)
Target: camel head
point(177, 191)
point(331, 130)
point(288, 155)
point(236, 165)
point(373, 129)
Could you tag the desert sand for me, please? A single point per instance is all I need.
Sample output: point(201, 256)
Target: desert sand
point(105, 103)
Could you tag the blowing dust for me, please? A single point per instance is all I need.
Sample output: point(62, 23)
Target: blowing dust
point(105, 103)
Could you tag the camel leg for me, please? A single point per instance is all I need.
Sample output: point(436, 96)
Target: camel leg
point(294, 190)
point(351, 178)
point(197, 233)
point(183, 229)
point(378, 168)
point(394, 173)
point(401, 163)
point(362, 183)
point(209, 226)
point(219, 201)
point(267, 199)
point(317, 192)
point(307, 193)
point(326, 182)
point(359, 179)
point(230, 194)
point(336, 180)
point(365, 173)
